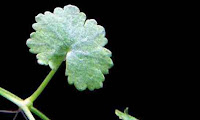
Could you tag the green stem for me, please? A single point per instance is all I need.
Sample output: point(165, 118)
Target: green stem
point(18, 101)
point(28, 113)
point(40, 89)
point(38, 113)
point(11, 97)
point(27, 104)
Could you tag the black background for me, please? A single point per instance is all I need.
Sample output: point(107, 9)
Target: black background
point(134, 31)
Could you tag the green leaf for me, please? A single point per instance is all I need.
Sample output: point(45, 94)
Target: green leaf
point(125, 115)
point(66, 35)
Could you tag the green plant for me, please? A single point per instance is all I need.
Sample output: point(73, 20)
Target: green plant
point(125, 115)
point(66, 35)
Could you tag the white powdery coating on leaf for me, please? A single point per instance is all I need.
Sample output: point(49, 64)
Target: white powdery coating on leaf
point(65, 34)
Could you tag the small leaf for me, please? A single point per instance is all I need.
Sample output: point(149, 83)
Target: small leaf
point(66, 35)
point(125, 115)
point(126, 111)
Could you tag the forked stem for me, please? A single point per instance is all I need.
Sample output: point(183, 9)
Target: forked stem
point(27, 104)
point(18, 101)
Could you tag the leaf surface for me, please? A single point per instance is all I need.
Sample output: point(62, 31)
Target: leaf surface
point(66, 35)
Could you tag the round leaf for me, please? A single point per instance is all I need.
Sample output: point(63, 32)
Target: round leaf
point(66, 35)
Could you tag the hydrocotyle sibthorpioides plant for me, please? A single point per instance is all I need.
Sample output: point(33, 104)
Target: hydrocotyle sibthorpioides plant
point(66, 35)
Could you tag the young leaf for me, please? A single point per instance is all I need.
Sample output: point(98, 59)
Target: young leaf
point(66, 35)
point(125, 115)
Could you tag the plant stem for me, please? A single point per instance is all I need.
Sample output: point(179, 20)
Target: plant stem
point(11, 97)
point(28, 113)
point(18, 101)
point(40, 89)
point(38, 113)
point(27, 104)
